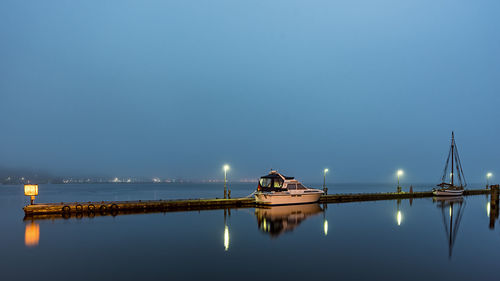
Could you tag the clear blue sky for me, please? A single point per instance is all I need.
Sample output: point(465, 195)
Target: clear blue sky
point(178, 88)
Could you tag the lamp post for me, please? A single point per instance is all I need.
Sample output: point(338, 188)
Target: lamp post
point(31, 190)
point(324, 181)
point(399, 173)
point(488, 176)
point(226, 168)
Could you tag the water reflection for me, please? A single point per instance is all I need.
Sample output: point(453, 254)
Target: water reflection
point(492, 208)
point(399, 215)
point(227, 212)
point(455, 207)
point(32, 234)
point(277, 220)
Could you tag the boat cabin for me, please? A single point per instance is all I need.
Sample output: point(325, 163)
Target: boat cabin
point(275, 181)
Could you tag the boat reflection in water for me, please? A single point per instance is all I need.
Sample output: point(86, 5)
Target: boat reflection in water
point(32, 234)
point(453, 208)
point(277, 220)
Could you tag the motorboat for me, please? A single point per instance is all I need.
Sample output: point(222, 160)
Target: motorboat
point(277, 189)
point(449, 186)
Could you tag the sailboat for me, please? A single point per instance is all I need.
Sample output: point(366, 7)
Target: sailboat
point(451, 187)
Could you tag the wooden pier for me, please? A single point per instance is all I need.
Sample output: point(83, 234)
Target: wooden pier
point(63, 209)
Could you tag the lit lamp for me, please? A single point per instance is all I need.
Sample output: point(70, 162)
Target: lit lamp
point(31, 190)
point(324, 181)
point(399, 173)
point(226, 168)
point(488, 176)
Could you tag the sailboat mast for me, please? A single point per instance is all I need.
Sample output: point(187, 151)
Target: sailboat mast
point(452, 155)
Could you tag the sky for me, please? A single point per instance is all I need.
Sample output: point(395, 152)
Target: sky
point(177, 88)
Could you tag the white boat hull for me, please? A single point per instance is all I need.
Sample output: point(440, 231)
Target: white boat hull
point(448, 192)
point(286, 198)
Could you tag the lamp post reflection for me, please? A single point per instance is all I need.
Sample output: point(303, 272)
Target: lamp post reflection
point(32, 234)
point(226, 229)
point(325, 221)
point(226, 238)
point(492, 207)
point(399, 215)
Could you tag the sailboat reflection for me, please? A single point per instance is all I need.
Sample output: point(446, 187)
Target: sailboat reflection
point(455, 206)
point(32, 234)
point(277, 220)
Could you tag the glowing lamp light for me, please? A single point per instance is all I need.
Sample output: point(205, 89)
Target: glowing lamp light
point(488, 209)
point(489, 175)
point(399, 218)
point(326, 171)
point(400, 173)
point(226, 168)
point(325, 227)
point(31, 190)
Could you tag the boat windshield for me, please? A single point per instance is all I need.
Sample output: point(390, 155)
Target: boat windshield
point(265, 182)
point(271, 183)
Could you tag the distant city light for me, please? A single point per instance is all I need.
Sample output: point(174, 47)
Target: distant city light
point(156, 180)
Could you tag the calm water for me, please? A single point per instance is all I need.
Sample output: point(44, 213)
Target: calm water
point(351, 241)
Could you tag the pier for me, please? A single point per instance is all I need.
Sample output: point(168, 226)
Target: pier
point(66, 209)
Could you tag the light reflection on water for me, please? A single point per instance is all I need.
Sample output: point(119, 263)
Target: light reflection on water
point(192, 245)
point(32, 234)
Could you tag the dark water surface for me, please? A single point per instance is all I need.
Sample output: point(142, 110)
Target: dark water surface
point(350, 241)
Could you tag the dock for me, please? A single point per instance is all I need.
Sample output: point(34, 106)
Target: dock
point(103, 208)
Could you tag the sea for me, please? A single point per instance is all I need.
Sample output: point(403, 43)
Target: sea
point(419, 239)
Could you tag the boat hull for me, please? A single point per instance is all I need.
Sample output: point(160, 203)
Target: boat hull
point(448, 192)
point(286, 199)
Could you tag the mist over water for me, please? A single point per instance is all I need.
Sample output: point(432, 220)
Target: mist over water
point(174, 90)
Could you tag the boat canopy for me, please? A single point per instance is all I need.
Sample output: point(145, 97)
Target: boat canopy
point(274, 181)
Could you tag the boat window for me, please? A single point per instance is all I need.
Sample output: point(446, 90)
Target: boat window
point(265, 182)
point(292, 186)
point(300, 186)
point(278, 183)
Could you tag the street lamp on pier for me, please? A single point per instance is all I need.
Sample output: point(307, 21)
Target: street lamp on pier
point(488, 176)
point(399, 173)
point(226, 168)
point(324, 181)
